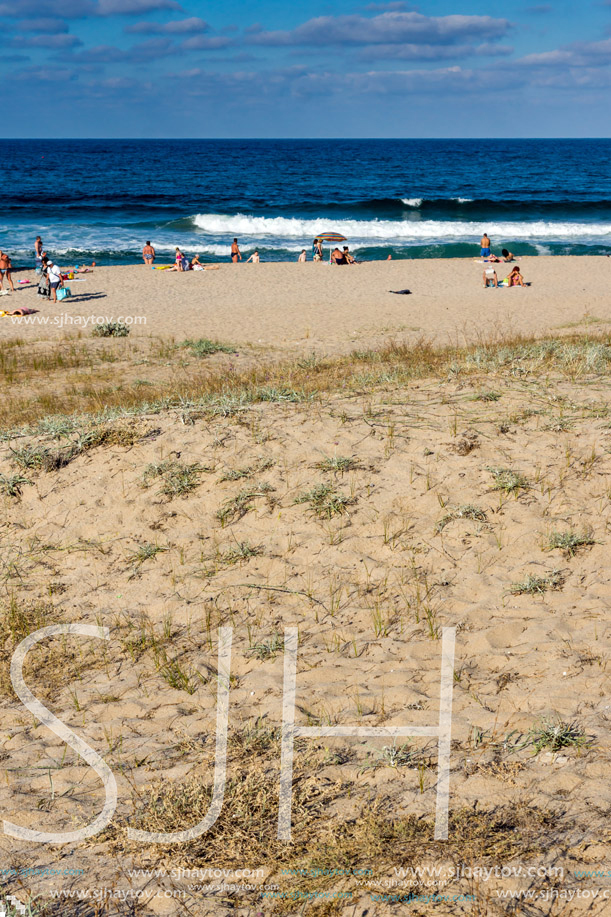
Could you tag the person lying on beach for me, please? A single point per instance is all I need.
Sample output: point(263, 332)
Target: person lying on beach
point(337, 257)
point(148, 254)
point(23, 311)
point(490, 278)
point(254, 258)
point(515, 278)
point(507, 256)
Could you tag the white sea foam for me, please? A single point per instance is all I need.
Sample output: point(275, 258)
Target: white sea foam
point(381, 231)
point(412, 201)
point(463, 200)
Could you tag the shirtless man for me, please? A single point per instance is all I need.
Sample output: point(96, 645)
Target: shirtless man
point(148, 254)
point(38, 253)
point(302, 256)
point(485, 246)
point(337, 257)
point(236, 254)
point(254, 258)
point(5, 268)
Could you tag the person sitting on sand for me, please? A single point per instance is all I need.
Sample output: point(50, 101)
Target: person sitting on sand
point(337, 257)
point(515, 277)
point(254, 258)
point(507, 256)
point(490, 278)
point(350, 259)
point(195, 262)
point(148, 254)
point(485, 246)
point(302, 256)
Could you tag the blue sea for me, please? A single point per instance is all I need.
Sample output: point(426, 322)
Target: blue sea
point(102, 199)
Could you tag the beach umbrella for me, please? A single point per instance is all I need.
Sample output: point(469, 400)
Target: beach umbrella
point(331, 238)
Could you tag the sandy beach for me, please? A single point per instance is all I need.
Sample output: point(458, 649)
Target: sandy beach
point(315, 307)
point(368, 500)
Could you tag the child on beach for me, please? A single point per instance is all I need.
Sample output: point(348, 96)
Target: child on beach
point(254, 258)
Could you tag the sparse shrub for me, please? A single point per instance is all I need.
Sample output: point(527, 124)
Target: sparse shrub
point(507, 480)
point(11, 485)
point(340, 464)
point(569, 542)
point(177, 478)
point(556, 734)
point(204, 347)
point(325, 500)
point(239, 505)
point(110, 330)
point(467, 511)
point(537, 585)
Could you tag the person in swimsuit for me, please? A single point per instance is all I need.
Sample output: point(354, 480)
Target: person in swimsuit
point(148, 254)
point(515, 278)
point(302, 256)
point(337, 257)
point(254, 258)
point(178, 259)
point(236, 254)
point(490, 278)
point(485, 245)
point(350, 259)
point(5, 270)
point(38, 253)
point(507, 256)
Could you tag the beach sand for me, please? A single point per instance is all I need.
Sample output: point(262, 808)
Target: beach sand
point(296, 307)
point(370, 516)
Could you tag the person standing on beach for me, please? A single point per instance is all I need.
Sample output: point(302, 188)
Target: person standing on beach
point(317, 250)
point(38, 253)
point(485, 246)
point(6, 268)
point(148, 254)
point(54, 274)
point(236, 254)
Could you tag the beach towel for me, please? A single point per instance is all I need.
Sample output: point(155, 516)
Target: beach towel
point(400, 292)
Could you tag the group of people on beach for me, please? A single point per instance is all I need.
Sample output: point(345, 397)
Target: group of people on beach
point(490, 276)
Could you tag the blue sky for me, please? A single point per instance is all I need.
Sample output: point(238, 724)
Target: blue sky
point(186, 68)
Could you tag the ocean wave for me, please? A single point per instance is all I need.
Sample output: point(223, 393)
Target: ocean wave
point(241, 224)
point(412, 201)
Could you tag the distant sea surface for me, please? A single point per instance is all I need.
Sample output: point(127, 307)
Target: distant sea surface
point(102, 199)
